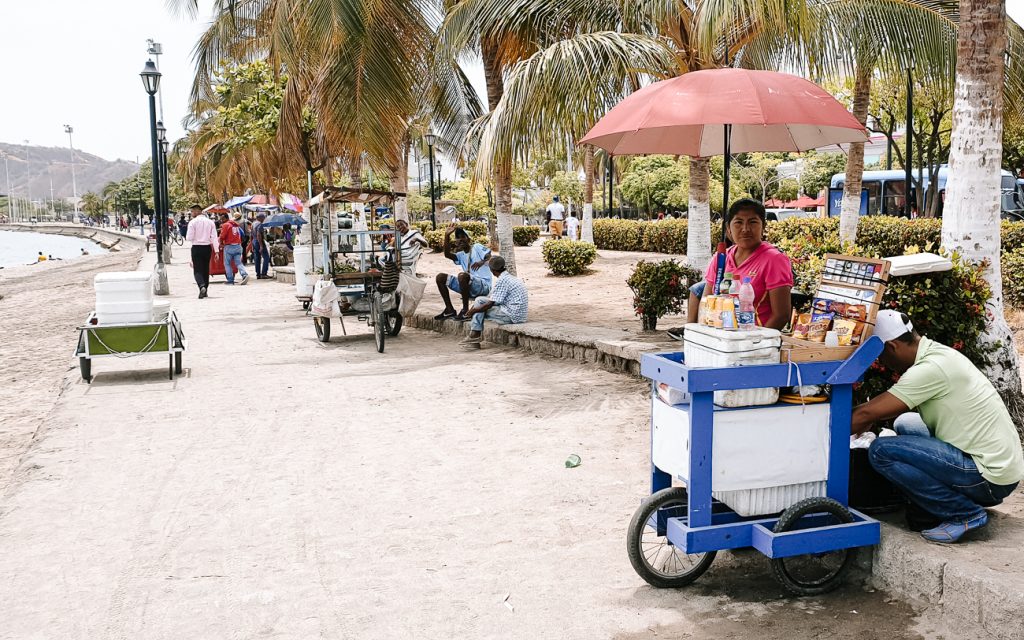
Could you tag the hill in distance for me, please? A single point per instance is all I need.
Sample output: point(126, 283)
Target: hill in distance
point(31, 168)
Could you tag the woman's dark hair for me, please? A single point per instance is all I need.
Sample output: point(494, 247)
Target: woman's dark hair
point(746, 204)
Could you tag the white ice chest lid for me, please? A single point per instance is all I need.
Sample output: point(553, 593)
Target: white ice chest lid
point(732, 341)
point(918, 263)
point(123, 276)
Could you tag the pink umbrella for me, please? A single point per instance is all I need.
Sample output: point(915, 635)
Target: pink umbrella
point(688, 115)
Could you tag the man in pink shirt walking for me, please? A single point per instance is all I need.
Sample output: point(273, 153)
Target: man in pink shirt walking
point(202, 233)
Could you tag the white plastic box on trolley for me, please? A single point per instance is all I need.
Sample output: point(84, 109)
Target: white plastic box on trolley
point(766, 457)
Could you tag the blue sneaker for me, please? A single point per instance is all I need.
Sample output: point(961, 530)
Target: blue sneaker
point(951, 532)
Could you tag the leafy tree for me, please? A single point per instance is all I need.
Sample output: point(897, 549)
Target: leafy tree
point(92, 205)
point(759, 174)
point(567, 185)
point(649, 182)
point(818, 169)
point(473, 202)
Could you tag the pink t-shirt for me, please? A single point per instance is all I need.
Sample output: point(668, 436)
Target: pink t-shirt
point(768, 268)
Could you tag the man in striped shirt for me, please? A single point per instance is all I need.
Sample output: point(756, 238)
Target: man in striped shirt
point(506, 304)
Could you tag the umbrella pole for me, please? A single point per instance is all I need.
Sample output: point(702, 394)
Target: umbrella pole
point(725, 180)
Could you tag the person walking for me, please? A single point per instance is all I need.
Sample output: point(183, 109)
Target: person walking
point(572, 226)
point(202, 233)
point(231, 239)
point(260, 249)
point(556, 218)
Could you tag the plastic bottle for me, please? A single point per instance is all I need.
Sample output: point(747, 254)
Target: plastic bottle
point(723, 288)
point(746, 319)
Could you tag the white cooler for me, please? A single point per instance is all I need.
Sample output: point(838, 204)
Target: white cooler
point(124, 297)
point(710, 347)
point(762, 460)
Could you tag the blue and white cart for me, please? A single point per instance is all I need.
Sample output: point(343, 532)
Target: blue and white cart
point(676, 532)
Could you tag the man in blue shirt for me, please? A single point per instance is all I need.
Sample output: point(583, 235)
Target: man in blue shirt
point(507, 304)
point(474, 279)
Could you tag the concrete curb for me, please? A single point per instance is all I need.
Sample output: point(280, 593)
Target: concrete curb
point(972, 600)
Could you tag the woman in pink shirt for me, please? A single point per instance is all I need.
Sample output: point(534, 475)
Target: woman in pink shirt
point(769, 270)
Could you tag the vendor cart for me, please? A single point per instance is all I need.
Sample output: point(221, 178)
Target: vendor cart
point(802, 451)
point(353, 258)
point(163, 336)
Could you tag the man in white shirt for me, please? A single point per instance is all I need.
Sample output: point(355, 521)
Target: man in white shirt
point(202, 233)
point(556, 218)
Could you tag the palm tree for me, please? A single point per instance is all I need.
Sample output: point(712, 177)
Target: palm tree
point(970, 223)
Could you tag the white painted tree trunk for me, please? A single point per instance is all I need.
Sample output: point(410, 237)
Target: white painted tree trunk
point(698, 233)
point(503, 168)
point(587, 228)
point(850, 215)
point(970, 223)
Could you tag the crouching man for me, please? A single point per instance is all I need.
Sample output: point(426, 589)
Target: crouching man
point(506, 305)
point(959, 452)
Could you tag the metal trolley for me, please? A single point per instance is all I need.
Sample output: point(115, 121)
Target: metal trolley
point(674, 535)
point(129, 340)
point(365, 292)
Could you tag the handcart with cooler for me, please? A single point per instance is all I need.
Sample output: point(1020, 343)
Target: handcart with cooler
point(364, 273)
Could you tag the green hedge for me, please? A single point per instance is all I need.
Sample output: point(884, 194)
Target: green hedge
point(1013, 286)
point(524, 236)
point(435, 239)
point(568, 257)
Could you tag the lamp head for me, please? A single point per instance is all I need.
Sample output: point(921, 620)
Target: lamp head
point(161, 131)
point(430, 138)
point(150, 78)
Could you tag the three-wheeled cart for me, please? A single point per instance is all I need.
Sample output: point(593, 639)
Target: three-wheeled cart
point(796, 463)
point(128, 340)
point(367, 290)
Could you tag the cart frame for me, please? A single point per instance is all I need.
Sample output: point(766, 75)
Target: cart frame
point(168, 338)
point(709, 526)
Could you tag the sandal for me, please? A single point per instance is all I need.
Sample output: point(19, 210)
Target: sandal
point(444, 315)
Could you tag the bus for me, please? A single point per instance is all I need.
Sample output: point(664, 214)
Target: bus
point(883, 193)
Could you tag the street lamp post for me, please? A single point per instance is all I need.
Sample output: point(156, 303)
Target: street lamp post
point(151, 81)
point(164, 197)
point(7, 173)
point(431, 139)
point(156, 50)
point(68, 129)
point(910, 143)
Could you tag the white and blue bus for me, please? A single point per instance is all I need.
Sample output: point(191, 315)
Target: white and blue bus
point(884, 193)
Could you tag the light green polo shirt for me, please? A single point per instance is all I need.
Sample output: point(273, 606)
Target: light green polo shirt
point(961, 407)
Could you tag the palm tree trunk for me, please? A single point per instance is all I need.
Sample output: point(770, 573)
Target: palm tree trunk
point(587, 229)
point(502, 168)
point(698, 232)
point(855, 160)
point(970, 222)
point(400, 180)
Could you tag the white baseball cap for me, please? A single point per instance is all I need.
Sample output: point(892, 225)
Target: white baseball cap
point(889, 325)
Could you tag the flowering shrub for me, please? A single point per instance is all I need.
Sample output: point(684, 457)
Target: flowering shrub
point(659, 288)
point(525, 236)
point(568, 257)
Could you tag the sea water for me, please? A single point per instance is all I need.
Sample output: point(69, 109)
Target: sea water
point(18, 247)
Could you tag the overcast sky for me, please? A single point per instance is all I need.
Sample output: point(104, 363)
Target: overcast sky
point(78, 62)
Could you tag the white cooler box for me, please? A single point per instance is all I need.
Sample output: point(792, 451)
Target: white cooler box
point(762, 461)
point(124, 297)
point(711, 347)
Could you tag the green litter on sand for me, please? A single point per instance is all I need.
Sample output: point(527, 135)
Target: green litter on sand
point(573, 461)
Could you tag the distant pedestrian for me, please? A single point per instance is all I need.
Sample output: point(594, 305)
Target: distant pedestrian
point(260, 248)
point(202, 233)
point(556, 218)
point(288, 236)
point(41, 257)
point(231, 239)
point(572, 226)
point(84, 252)
point(242, 228)
point(183, 225)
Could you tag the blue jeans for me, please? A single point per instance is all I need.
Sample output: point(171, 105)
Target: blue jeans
point(698, 289)
point(261, 258)
point(495, 314)
point(934, 475)
point(233, 256)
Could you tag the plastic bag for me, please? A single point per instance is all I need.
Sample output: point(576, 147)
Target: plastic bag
point(325, 300)
point(862, 441)
point(411, 290)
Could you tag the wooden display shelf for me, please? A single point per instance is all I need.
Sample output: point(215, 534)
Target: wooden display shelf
point(355, 277)
point(797, 350)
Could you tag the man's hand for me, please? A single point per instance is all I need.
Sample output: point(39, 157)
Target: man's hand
point(881, 407)
point(477, 265)
point(451, 229)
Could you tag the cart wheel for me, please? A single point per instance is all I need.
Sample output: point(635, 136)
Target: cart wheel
point(393, 322)
point(379, 318)
point(660, 563)
point(323, 328)
point(305, 304)
point(85, 364)
point(177, 362)
point(817, 573)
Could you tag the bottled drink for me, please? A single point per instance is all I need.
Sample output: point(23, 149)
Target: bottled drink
point(723, 288)
point(746, 319)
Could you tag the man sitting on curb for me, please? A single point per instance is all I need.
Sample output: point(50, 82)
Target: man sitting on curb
point(475, 278)
point(506, 305)
point(960, 452)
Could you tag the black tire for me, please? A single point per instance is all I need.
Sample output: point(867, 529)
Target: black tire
point(647, 554)
point(323, 328)
point(379, 318)
point(812, 574)
point(177, 362)
point(178, 240)
point(85, 364)
point(306, 304)
point(393, 322)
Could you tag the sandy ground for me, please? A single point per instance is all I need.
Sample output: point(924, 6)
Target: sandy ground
point(291, 489)
point(600, 297)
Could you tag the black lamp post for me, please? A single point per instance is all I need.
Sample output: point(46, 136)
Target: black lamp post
point(151, 81)
point(907, 182)
point(431, 139)
point(165, 199)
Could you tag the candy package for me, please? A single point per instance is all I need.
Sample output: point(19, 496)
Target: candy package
point(844, 328)
point(820, 323)
point(801, 325)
